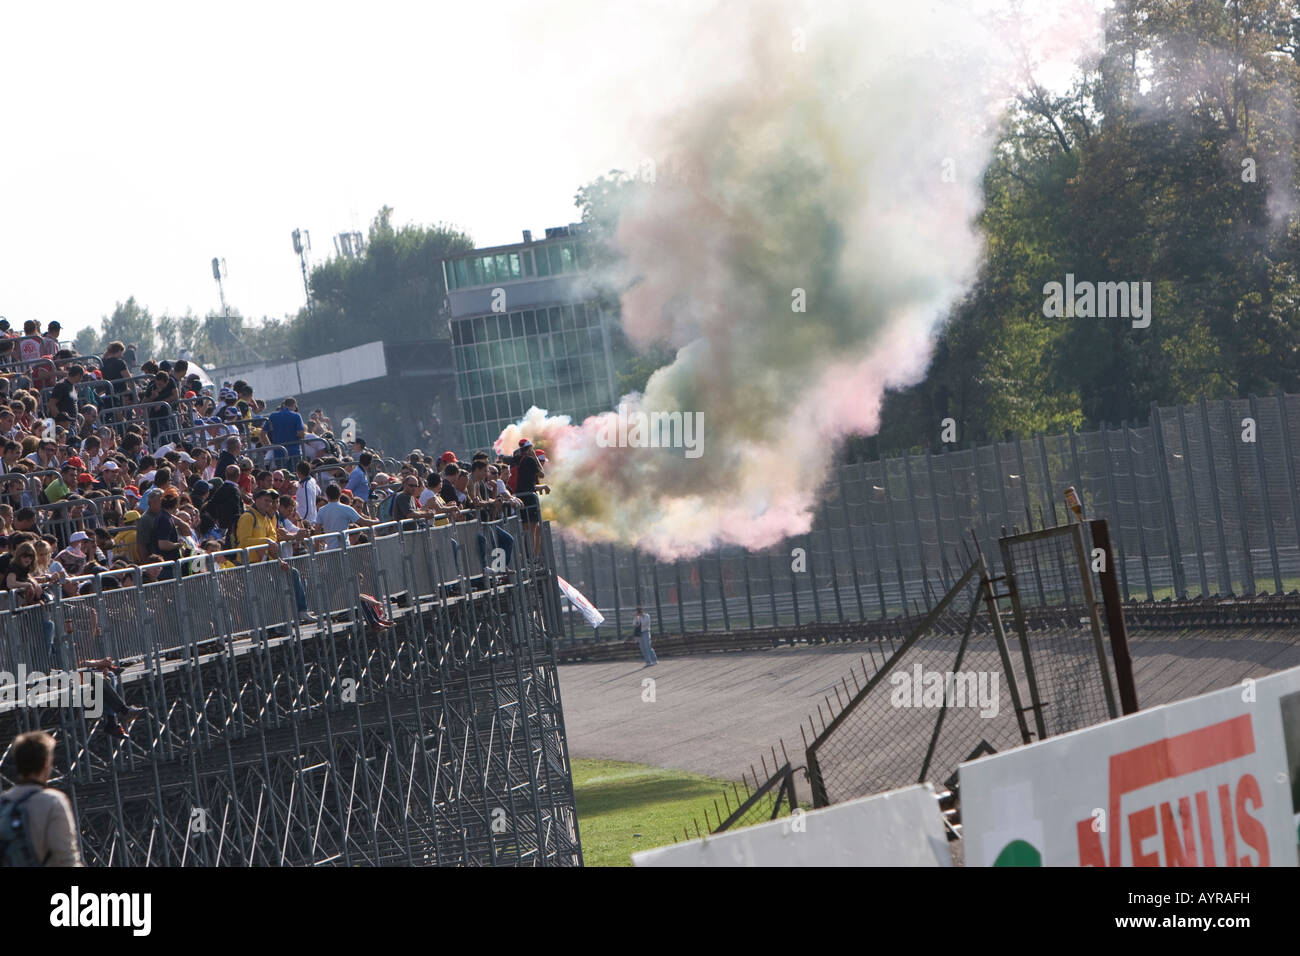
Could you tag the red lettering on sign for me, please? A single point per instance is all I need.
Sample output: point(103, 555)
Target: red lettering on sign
point(1252, 831)
point(1165, 759)
point(1176, 853)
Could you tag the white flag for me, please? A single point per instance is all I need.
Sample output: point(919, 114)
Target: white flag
point(585, 607)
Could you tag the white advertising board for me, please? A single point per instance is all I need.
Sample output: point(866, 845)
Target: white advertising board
point(900, 828)
point(1209, 781)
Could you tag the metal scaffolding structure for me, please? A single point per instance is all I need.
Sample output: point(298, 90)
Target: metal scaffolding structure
point(436, 739)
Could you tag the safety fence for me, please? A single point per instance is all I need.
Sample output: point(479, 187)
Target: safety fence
point(170, 609)
point(1201, 501)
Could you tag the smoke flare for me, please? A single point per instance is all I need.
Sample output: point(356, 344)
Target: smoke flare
point(816, 226)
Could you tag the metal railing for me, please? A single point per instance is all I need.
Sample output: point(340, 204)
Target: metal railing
point(169, 608)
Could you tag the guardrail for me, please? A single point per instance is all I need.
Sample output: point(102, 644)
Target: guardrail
point(169, 609)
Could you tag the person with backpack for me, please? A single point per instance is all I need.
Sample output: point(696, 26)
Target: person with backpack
point(36, 823)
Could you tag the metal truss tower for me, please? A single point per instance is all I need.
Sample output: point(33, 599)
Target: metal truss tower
point(438, 741)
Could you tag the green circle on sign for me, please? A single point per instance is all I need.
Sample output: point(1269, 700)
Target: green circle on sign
point(1018, 853)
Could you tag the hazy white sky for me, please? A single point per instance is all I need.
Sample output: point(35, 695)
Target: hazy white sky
point(142, 139)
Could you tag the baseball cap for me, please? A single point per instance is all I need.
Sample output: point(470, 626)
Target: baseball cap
point(132, 490)
point(109, 466)
point(85, 479)
point(201, 487)
point(78, 536)
point(525, 443)
point(54, 325)
point(76, 463)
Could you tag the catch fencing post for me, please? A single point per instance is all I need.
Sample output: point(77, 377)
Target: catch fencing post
point(1196, 510)
point(1137, 508)
point(1167, 498)
point(853, 551)
point(893, 530)
point(1225, 570)
point(916, 527)
point(1114, 505)
point(1265, 500)
point(1233, 437)
point(1289, 462)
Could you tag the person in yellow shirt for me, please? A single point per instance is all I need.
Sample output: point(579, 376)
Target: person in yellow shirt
point(258, 529)
point(257, 526)
point(124, 541)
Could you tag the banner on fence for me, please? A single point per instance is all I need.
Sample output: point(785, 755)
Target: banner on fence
point(1210, 781)
point(899, 828)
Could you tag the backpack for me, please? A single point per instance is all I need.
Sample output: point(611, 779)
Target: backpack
point(16, 847)
point(373, 611)
point(385, 509)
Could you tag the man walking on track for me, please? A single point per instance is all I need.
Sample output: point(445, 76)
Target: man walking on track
point(641, 631)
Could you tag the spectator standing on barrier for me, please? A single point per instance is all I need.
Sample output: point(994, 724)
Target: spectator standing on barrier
point(36, 823)
point(641, 631)
point(287, 427)
point(529, 471)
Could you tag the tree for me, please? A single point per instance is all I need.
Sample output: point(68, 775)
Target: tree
point(393, 292)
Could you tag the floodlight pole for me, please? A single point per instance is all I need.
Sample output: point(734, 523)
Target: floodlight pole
point(302, 245)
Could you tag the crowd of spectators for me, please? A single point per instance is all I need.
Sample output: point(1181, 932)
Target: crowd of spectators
point(119, 473)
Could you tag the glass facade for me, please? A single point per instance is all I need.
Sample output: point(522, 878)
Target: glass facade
point(549, 258)
point(552, 357)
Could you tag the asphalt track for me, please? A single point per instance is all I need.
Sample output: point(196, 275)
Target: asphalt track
point(716, 714)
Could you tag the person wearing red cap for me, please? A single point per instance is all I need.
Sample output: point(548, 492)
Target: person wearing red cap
point(447, 456)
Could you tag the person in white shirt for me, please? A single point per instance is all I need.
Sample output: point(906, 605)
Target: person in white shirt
point(641, 631)
point(308, 494)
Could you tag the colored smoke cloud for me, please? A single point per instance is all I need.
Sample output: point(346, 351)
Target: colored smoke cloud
point(833, 155)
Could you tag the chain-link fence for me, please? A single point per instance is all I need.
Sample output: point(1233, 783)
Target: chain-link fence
point(950, 690)
point(1201, 501)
